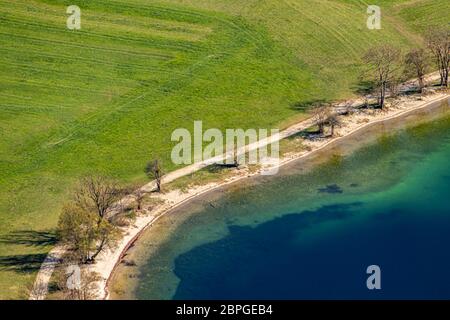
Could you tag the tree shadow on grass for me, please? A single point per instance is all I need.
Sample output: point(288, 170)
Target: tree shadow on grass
point(364, 87)
point(305, 106)
point(26, 263)
point(29, 238)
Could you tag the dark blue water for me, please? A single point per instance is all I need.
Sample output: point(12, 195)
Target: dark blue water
point(270, 261)
point(312, 235)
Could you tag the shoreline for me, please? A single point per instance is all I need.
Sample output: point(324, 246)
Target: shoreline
point(107, 262)
point(196, 192)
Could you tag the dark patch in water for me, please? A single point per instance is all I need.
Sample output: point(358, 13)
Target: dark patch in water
point(331, 188)
point(354, 185)
point(269, 261)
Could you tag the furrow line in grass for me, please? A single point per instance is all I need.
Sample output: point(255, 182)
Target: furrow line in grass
point(307, 51)
point(70, 73)
point(161, 42)
point(346, 12)
point(40, 105)
point(211, 17)
point(31, 109)
point(50, 85)
point(169, 14)
point(68, 44)
point(111, 19)
point(15, 96)
point(346, 43)
point(72, 129)
point(231, 24)
point(172, 13)
point(349, 34)
point(119, 108)
point(93, 9)
point(74, 75)
point(340, 33)
point(77, 58)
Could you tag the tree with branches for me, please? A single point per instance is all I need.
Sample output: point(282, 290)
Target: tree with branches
point(333, 121)
point(383, 61)
point(320, 114)
point(99, 194)
point(85, 224)
point(155, 172)
point(438, 41)
point(417, 59)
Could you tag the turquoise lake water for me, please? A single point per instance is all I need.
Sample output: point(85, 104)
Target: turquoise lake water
point(310, 233)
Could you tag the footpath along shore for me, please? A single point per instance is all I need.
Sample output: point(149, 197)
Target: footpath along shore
point(107, 261)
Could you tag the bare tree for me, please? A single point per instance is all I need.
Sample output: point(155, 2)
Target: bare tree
point(418, 60)
point(107, 235)
point(85, 224)
point(98, 194)
point(320, 116)
point(383, 61)
point(77, 229)
point(154, 171)
point(333, 121)
point(139, 195)
point(83, 232)
point(438, 41)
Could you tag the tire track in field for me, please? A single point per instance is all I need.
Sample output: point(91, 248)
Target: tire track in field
point(72, 74)
point(68, 57)
point(346, 43)
point(149, 42)
point(174, 31)
point(69, 44)
point(149, 68)
point(49, 85)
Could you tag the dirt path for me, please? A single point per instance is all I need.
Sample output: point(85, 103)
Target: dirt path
point(106, 262)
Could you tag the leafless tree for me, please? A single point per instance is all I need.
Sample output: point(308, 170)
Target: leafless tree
point(438, 41)
point(85, 224)
point(84, 233)
point(99, 194)
point(154, 171)
point(333, 121)
point(417, 59)
point(320, 116)
point(383, 61)
point(139, 195)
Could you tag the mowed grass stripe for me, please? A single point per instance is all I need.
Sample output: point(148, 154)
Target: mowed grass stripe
point(119, 40)
point(73, 73)
point(62, 79)
point(110, 24)
point(16, 35)
point(56, 7)
point(57, 12)
point(328, 29)
point(50, 86)
point(430, 12)
point(36, 52)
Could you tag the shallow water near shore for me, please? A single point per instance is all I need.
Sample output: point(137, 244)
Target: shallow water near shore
point(375, 198)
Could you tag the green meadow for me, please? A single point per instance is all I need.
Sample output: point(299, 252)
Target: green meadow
point(106, 98)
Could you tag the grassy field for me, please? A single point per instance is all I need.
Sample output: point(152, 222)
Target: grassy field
point(106, 98)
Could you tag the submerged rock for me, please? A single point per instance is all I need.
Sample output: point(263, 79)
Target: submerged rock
point(331, 188)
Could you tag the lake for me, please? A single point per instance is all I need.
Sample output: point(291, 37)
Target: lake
point(381, 197)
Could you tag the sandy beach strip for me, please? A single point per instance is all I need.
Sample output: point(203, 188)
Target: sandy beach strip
point(106, 264)
point(107, 261)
